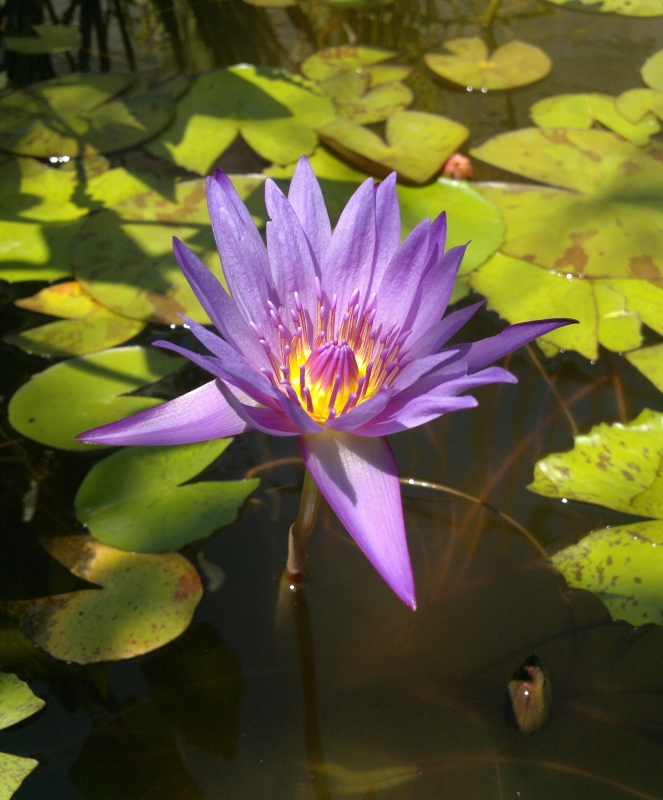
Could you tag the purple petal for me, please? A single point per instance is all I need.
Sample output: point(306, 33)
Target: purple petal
point(267, 420)
point(402, 278)
point(244, 260)
point(434, 292)
point(194, 417)
point(289, 253)
point(387, 227)
point(438, 239)
point(227, 185)
point(418, 411)
point(306, 198)
point(358, 478)
point(413, 371)
point(348, 263)
point(484, 352)
point(440, 333)
point(219, 307)
point(362, 413)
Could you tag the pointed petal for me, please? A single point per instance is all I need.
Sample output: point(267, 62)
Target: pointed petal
point(438, 239)
point(358, 478)
point(413, 371)
point(267, 420)
point(306, 198)
point(440, 333)
point(418, 411)
point(362, 413)
point(227, 185)
point(289, 254)
point(482, 353)
point(348, 263)
point(219, 307)
point(387, 227)
point(194, 417)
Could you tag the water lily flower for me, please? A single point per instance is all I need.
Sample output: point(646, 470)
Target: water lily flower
point(334, 337)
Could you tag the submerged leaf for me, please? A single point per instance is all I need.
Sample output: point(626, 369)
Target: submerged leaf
point(134, 499)
point(49, 39)
point(417, 144)
point(145, 601)
point(368, 781)
point(275, 112)
point(513, 64)
point(68, 398)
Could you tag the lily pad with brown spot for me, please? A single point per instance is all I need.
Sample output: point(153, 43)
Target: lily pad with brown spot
point(17, 702)
point(513, 64)
point(123, 257)
point(144, 602)
point(354, 99)
point(417, 144)
point(649, 361)
point(604, 219)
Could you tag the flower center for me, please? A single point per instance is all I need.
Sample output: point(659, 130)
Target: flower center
point(330, 366)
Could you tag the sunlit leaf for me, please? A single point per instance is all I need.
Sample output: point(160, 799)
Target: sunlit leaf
point(627, 8)
point(70, 397)
point(652, 69)
point(196, 683)
point(583, 110)
point(124, 256)
point(67, 300)
point(610, 222)
point(275, 112)
point(49, 39)
point(144, 602)
point(134, 499)
point(17, 701)
point(649, 361)
point(80, 115)
point(417, 144)
point(345, 59)
point(13, 771)
point(355, 100)
point(513, 64)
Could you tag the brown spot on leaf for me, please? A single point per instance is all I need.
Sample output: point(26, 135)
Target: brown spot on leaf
point(629, 167)
point(627, 475)
point(637, 580)
point(644, 267)
point(574, 257)
point(189, 585)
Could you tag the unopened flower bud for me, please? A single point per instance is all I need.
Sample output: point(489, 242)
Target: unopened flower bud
point(458, 167)
point(529, 696)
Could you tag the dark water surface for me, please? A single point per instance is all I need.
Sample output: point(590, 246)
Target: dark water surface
point(409, 705)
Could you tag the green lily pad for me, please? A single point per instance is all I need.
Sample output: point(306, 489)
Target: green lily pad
point(649, 361)
point(13, 771)
point(124, 258)
point(49, 39)
point(144, 602)
point(513, 64)
point(652, 70)
point(583, 110)
point(80, 115)
point(605, 221)
point(626, 8)
point(271, 3)
point(345, 59)
point(354, 99)
point(635, 105)
point(87, 328)
point(68, 398)
point(17, 702)
point(274, 111)
point(134, 499)
point(417, 144)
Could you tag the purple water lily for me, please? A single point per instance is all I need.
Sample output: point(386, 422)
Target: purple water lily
point(331, 337)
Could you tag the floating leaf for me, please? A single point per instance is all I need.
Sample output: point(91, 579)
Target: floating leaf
point(274, 111)
point(635, 105)
point(68, 398)
point(145, 601)
point(134, 499)
point(49, 39)
point(353, 98)
point(17, 702)
point(196, 683)
point(627, 8)
point(609, 224)
point(346, 59)
point(582, 110)
point(124, 256)
point(649, 361)
point(513, 64)
point(80, 115)
point(652, 69)
point(417, 144)
point(88, 326)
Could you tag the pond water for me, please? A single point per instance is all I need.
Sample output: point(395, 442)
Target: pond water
point(339, 689)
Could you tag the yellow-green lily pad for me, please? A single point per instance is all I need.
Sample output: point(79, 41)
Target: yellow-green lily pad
point(652, 69)
point(145, 601)
point(354, 99)
point(124, 258)
point(606, 220)
point(48, 39)
point(68, 398)
point(635, 104)
point(417, 144)
point(513, 64)
point(274, 111)
point(343, 60)
point(80, 115)
point(134, 499)
point(17, 702)
point(626, 8)
point(87, 326)
point(583, 110)
point(649, 361)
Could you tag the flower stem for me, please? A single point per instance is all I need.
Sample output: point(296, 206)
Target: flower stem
point(302, 528)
